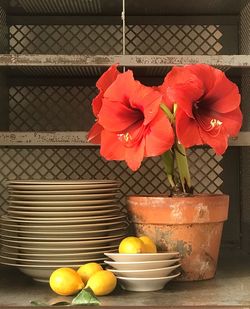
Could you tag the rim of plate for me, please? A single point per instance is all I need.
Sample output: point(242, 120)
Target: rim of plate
point(61, 203)
point(56, 192)
point(59, 181)
point(63, 208)
point(152, 279)
point(50, 261)
point(61, 249)
point(145, 254)
point(40, 266)
point(136, 263)
point(128, 271)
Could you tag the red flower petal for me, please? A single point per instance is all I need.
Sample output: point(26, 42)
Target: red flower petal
point(160, 137)
point(187, 130)
point(111, 147)
point(148, 101)
point(97, 104)
point(94, 134)
point(107, 78)
point(205, 73)
point(185, 95)
point(115, 116)
point(134, 156)
point(231, 121)
point(219, 142)
point(123, 88)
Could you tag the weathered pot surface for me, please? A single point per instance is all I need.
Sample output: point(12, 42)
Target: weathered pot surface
point(191, 225)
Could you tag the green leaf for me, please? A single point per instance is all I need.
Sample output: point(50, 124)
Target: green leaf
point(38, 303)
point(182, 165)
point(85, 297)
point(168, 161)
point(61, 303)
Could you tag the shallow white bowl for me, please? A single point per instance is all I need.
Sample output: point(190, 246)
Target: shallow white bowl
point(141, 265)
point(147, 273)
point(144, 284)
point(141, 257)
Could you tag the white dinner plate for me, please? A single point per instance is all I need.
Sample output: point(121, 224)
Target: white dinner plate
point(59, 208)
point(48, 262)
point(61, 228)
point(71, 250)
point(60, 214)
point(60, 182)
point(61, 197)
point(65, 233)
point(64, 203)
point(140, 265)
point(48, 239)
point(55, 192)
point(70, 220)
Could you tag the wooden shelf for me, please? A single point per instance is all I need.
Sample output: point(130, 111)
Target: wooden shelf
point(230, 287)
point(74, 139)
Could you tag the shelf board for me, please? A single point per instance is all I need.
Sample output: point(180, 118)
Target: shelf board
point(73, 139)
point(34, 60)
point(105, 7)
point(230, 287)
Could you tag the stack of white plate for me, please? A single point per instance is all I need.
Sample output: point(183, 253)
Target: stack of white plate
point(51, 224)
point(144, 271)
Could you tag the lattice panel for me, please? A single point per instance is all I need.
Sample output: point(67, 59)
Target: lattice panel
point(66, 39)
point(82, 163)
point(50, 108)
point(3, 32)
point(174, 39)
point(107, 39)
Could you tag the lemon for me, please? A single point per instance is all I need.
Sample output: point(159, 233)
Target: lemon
point(65, 281)
point(131, 244)
point(102, 283)
point(149, 245)
point(87, 270)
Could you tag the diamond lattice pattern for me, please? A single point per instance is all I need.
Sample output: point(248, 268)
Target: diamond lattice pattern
point(51, 108)
point(107, 39)
point(85, 163)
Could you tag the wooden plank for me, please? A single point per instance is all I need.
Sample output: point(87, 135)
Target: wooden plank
point(78, 138)
point(228, 61)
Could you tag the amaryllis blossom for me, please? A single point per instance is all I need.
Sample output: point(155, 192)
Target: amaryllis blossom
point(102, 84)
point(208, 105)
point(133, 124)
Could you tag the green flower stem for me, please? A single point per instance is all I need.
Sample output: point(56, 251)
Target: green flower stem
point(167, 112)
point(168, 161)
point(182, 166)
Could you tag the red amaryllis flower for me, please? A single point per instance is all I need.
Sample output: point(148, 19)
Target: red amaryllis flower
point(134, 125)
point(102, 84)
point(208, 105)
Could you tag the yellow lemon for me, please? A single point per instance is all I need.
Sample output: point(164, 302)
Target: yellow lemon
point(149, 245)
point(132, 245)
point(102, 283)
point(65, 281)
point(87, 270)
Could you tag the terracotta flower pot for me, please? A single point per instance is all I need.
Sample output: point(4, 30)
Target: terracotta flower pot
point(191, 225)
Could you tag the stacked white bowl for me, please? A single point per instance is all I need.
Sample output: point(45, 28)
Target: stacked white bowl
point(51, 224)
point(144, 271)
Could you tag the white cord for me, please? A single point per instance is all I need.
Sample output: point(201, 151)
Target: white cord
point(123, 30)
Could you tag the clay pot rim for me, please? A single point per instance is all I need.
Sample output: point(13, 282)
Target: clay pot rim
point(196, 195)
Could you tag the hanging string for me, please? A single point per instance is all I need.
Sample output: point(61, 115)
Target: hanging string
point(123, 30)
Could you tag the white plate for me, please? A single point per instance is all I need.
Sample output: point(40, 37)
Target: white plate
point(141, 265)
point(61, 228)
point(61, 197)
point(61, 256)
point(60, 182)
point(64, 203)
point(59, 208)
point(140, 257)
point(147, 273)
point(60, 214)
point(39, 273)
point(48, 239)
point(73, 250)
point(55, 192)
point(68, 233)
point(144, 284)
point(72, 220)
point(48, 261)
point(61, 244)
point(59, 187)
